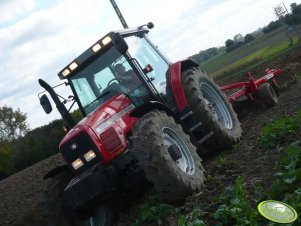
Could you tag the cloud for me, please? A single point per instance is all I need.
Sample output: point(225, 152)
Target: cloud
point(38, 46)
point(13, 9)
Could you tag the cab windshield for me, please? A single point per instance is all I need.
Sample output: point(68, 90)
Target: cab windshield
point(105, 77)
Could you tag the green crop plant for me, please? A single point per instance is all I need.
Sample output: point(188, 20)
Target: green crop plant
point(192, 219)
point(235, 208)
point(152, 211)
point(274, 133)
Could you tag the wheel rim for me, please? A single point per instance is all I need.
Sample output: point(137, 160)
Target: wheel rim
point(98, 218)
point(185, 162)
point(216, 105)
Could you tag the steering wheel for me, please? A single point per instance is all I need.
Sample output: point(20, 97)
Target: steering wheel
point(112, 80)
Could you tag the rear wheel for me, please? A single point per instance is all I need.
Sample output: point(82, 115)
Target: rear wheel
point(268, 95)
point(169, 159)
point(211, 107)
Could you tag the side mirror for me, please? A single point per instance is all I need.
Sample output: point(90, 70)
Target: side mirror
point(148, 68)
point(120, 43)
point(45, 103)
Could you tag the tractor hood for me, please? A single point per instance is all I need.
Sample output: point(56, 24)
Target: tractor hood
point(107, 115)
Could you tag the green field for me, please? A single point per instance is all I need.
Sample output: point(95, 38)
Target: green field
point(261, 49)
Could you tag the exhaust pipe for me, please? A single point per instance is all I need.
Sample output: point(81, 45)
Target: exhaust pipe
point(59, 105)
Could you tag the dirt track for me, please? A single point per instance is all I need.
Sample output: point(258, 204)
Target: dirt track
point(20, 194)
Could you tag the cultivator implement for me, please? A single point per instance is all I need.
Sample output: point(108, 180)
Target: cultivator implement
point(265, 88)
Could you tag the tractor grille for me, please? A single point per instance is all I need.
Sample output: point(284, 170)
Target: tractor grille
point(77, 147)
point(111, 139)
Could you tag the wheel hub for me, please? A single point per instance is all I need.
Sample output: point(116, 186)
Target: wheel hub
point(178, 150)
point(216, 105)
point(212, 109)
point(174, 152)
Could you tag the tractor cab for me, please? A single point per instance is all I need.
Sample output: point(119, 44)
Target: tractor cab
point(122, 62)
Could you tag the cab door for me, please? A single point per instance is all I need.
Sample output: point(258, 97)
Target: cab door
point(141, 50)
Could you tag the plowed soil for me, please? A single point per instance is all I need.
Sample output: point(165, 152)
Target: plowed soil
point(20, 194)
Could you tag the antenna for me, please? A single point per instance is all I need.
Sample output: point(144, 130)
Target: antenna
point(281, 11)
point(122, 20)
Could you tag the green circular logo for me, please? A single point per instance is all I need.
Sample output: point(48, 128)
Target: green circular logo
point(278, 212)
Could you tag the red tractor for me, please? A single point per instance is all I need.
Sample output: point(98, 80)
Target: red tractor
point(145, 120)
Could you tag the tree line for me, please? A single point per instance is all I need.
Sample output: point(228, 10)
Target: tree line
point(21, 147)
point(239, 40)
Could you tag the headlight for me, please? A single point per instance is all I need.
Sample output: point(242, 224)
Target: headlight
point(77, 164)
point(66, 72)
point(89, 155)
point(96, 47)
point(73, 65)
point(106, 40)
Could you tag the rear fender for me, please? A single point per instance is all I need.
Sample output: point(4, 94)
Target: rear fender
point(174, 79)
point(57, 170)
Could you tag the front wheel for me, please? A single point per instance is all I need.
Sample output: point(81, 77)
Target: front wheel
point(102, 215)
point(211, 107)
point(55, 210)
point(167, 156)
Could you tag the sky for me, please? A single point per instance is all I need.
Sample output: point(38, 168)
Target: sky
point(40, 37)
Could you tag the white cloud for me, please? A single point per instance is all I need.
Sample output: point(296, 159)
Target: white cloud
point(12, 9)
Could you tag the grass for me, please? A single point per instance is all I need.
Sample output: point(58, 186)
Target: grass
point(245, 58)
point(260, 42)
point(257, 57)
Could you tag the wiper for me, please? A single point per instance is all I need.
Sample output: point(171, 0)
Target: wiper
point(102, 95)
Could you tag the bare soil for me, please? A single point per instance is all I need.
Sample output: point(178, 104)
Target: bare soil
point(20, 194)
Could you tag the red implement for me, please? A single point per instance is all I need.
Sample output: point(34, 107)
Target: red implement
point(251, 87)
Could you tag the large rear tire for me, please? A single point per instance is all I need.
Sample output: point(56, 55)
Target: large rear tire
point(169, 159)
point(211, 107)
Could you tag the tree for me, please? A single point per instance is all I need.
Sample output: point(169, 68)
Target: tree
point(229, 43)
point(248, 38)
point(296, 14)
point(293, 6)
point(207, 54)
point(12, 124)
point(6, 163)
point(273, 25)
point(238, 38)
point(296, 9)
